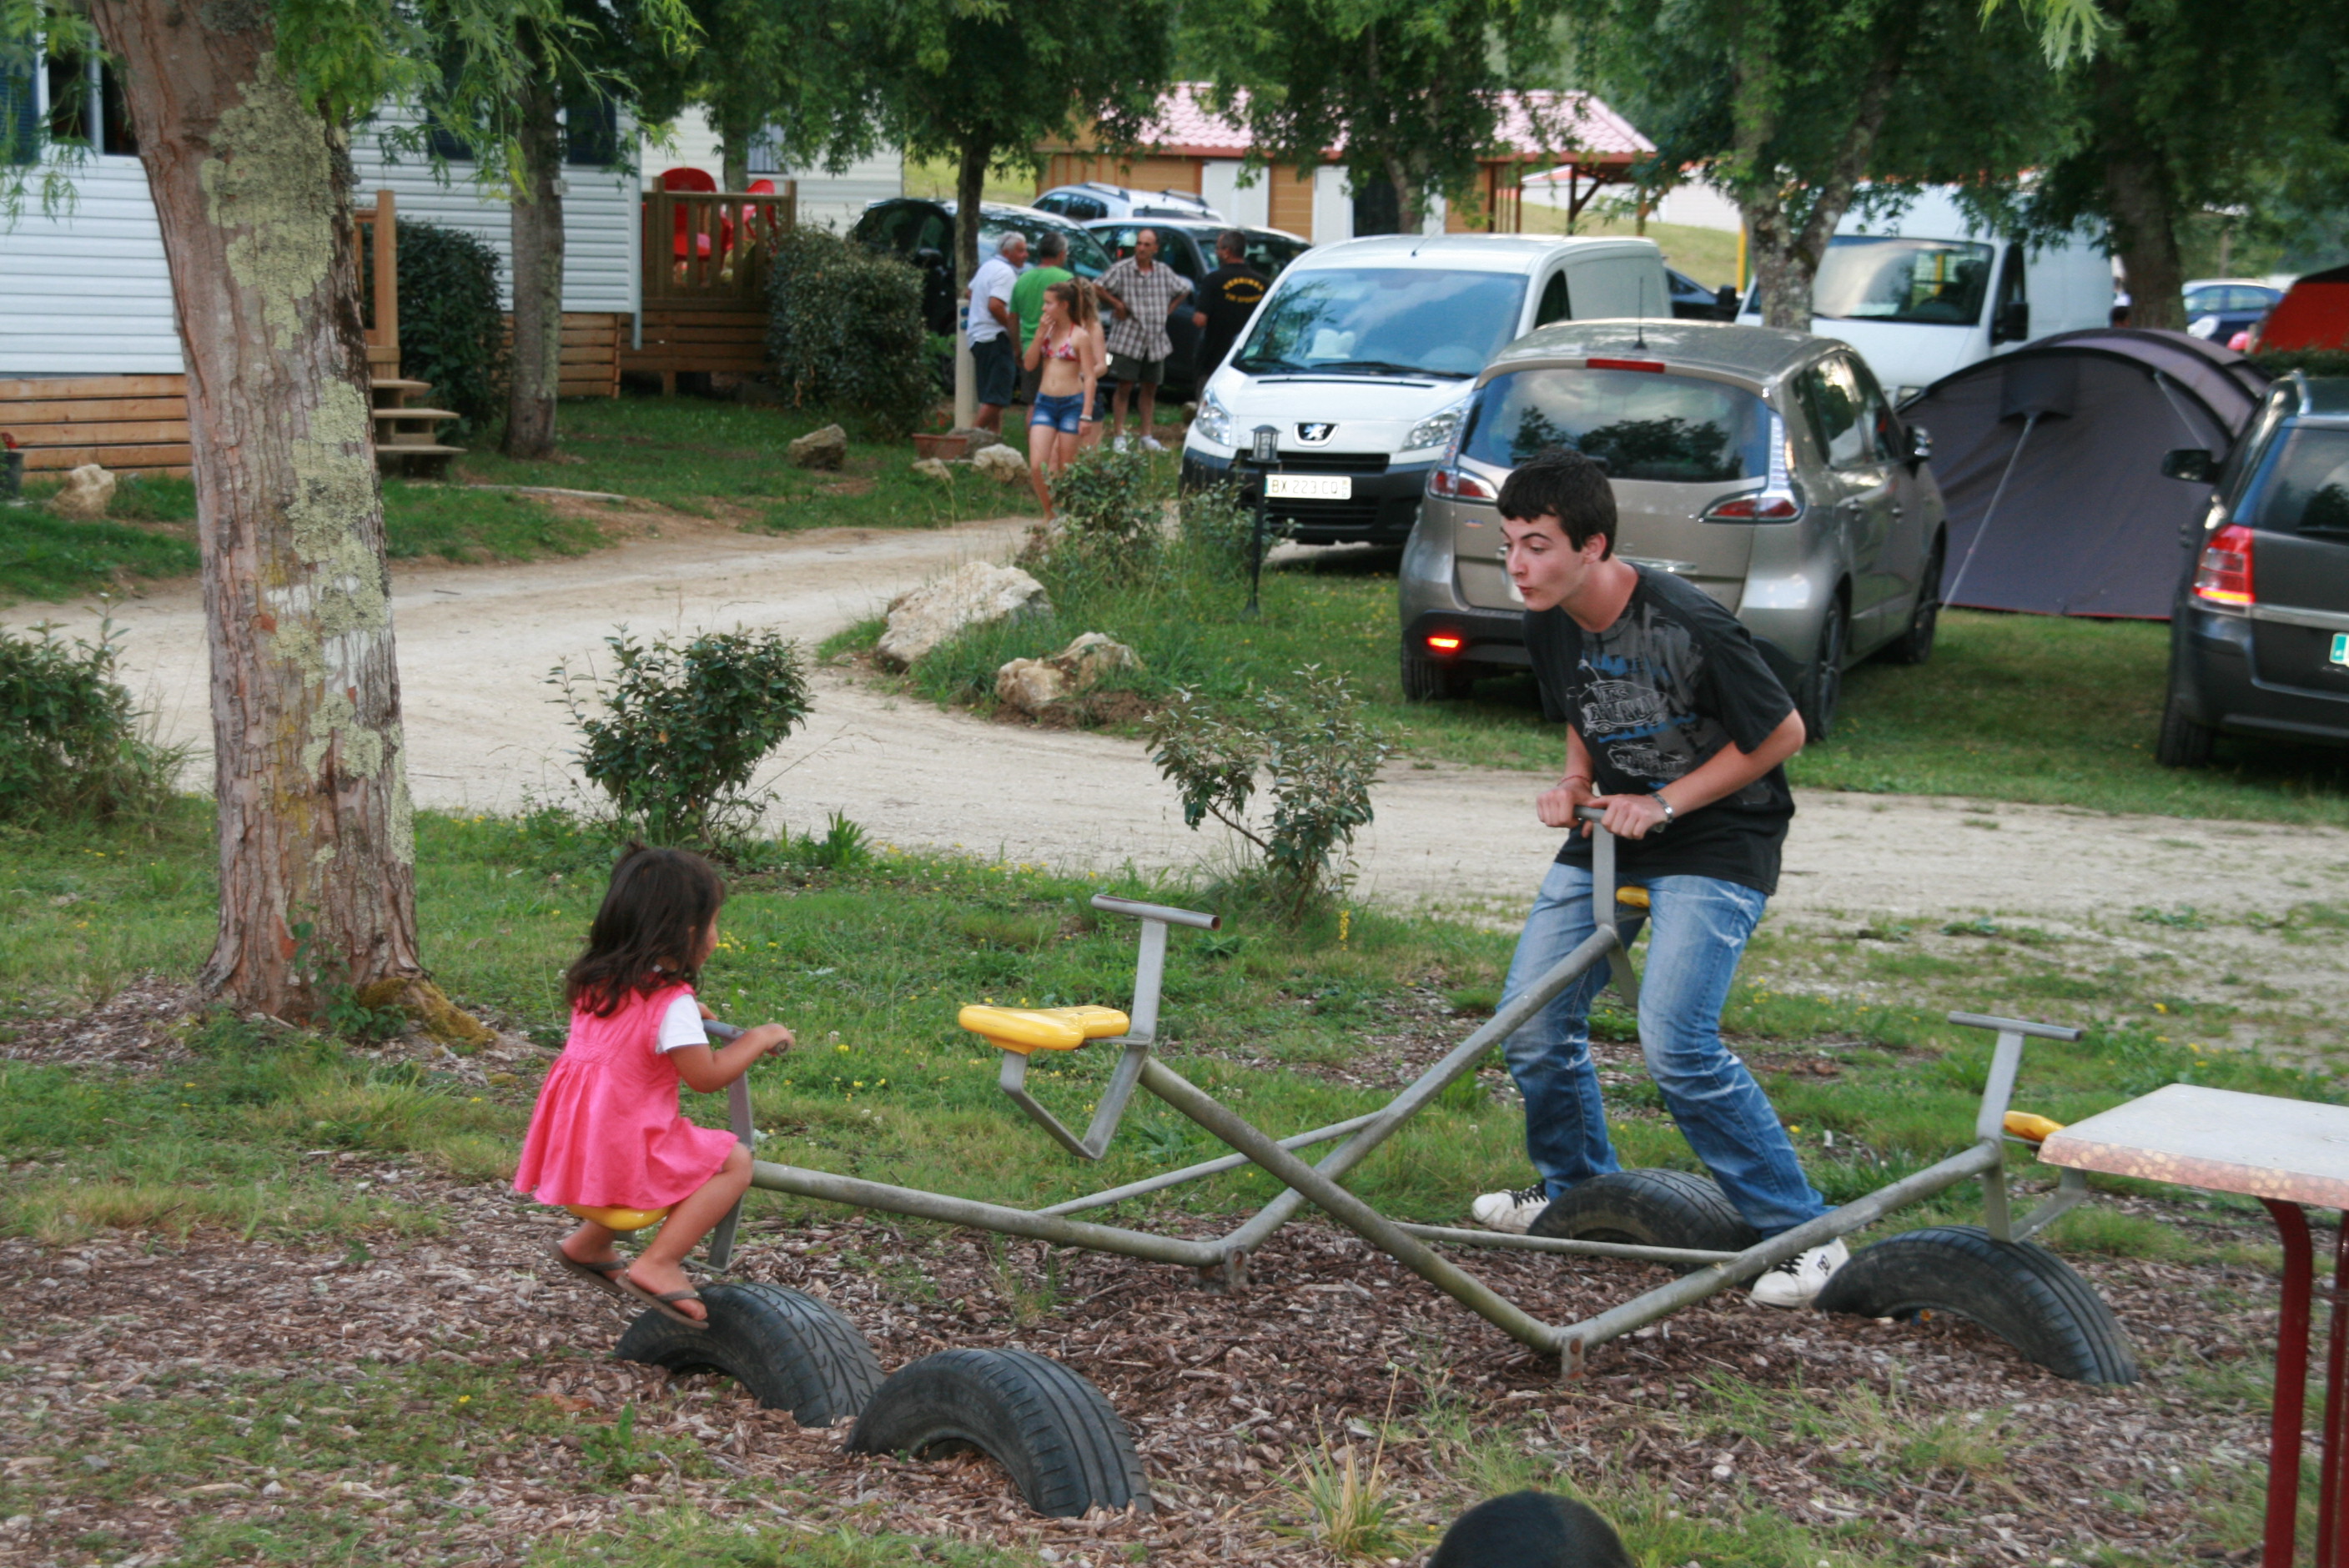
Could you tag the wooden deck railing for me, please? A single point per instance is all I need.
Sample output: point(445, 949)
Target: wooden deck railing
point(375, 237)
point(711, 248)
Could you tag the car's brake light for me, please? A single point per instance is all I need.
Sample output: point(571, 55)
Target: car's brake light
point(1759, 507)
point(1654, 367)
point(2223, 574)
point(1445, 642)
point(1459, 484)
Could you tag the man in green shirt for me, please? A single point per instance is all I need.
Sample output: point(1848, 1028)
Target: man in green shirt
point(1028, 298)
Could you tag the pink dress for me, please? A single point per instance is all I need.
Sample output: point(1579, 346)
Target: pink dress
point(608, 1131)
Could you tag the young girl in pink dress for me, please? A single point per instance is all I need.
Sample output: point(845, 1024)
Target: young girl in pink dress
point(607, 1132)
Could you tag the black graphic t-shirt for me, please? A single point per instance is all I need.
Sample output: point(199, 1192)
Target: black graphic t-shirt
point(1654, 697)
point(1227, 297)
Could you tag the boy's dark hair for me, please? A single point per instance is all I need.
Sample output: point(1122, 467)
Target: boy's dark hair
point(1531, 1530)
point(647, 934)
point(1560, 482)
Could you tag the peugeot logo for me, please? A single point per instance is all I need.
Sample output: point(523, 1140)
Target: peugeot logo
point(1315, 434)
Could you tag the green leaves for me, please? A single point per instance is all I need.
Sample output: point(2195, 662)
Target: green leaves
point(452, 326)
point(844, 330)
point(69, 739)
point(1317, 758)
point(683, 728)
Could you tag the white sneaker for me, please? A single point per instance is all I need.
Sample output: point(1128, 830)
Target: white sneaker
point(1152, 444)
point(1798, 1280)
point(1511, 1213)
point(1120, 443)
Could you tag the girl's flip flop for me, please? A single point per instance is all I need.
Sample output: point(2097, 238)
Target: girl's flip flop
point(660, 1304)
point(601, 1275)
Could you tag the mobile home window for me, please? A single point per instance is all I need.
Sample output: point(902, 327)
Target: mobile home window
point(87, 106)
point(20, 115)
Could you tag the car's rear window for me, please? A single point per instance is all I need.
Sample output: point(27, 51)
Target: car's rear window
point(2306, 487)
point(1640, 425)
point(1086, 257)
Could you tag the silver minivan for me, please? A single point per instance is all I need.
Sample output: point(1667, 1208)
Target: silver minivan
point(1765, 466)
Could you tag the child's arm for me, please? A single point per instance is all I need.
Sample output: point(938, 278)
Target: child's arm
point(706, 1071)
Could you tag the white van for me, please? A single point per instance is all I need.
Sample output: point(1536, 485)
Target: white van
point(1364, 354)
point(1929, 291)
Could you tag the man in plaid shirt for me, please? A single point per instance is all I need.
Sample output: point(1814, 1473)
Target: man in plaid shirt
point(1140, 292)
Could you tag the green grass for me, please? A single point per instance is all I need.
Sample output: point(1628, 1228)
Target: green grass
point(728, 461)
point(48, 557)
point(1708, 255)
point(2032, 709)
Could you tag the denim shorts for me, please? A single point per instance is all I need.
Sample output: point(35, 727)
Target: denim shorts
point(1063, 413)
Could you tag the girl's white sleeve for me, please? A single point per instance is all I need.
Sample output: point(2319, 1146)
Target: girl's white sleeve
point(681, 1025)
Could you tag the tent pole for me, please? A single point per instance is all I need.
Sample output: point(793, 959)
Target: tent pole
point(2030, 421)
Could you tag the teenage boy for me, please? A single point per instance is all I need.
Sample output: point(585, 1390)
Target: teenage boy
point(1677, 729)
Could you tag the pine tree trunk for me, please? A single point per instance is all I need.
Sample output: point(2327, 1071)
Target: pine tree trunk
point(250, 189)
point(2140, 203)
point(735, 131)
point(970, 186)
point(1787, 255)
point(536, 372)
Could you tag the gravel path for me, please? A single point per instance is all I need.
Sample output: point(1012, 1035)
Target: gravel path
point(477, 643)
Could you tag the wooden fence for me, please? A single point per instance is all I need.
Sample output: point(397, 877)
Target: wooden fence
point(704, 281)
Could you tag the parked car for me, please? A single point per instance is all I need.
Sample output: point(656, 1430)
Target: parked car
point(2259, 636)
point(2219, 308)
point(1766, 468)
point(1927, 291)
point(919, 229)
point(1363, 354)
point(1188, 246)
point(1094, 199)
point(1691, 301)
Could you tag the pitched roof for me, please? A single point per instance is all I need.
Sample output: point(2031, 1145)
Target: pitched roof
point(1535, 125)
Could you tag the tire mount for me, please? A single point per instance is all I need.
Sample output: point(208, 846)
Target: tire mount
point(1067, 1451)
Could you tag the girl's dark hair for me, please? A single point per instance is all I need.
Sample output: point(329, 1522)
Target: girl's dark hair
point(647, 934)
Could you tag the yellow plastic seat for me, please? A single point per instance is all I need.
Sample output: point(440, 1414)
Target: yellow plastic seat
point(2031, 1128)
point(618, 1219)
point(1026, 1029)
point(1637, 897)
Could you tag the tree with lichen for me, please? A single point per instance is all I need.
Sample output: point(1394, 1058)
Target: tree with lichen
point(241, 111)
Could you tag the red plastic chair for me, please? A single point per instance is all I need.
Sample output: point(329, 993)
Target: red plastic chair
point(697, 180)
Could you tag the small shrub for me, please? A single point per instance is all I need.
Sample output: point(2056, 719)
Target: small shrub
point(1109, 510)
point(683, 728)
point(2316, 361)
point(452, 329)
point(70, 744)
point(845, 330)
point(1217, 528)
point(1317, 758)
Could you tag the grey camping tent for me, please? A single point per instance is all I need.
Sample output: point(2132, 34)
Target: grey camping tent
point(2050, 460)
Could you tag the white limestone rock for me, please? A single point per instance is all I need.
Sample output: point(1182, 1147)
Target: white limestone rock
point(971, 595)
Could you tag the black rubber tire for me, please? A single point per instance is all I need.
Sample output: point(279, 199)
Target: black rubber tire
point(1424, 680)
point(2182, 742)
point(2018, 1289)
point(791, 1351)
point(1067, 1449)
point(1650, 1209)
point(1915, 645)
point(1822, 691)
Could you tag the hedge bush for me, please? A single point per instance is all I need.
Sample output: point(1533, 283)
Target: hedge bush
point(70, 741)
point(451, 328)
point(846, 331)
point(2316, 361)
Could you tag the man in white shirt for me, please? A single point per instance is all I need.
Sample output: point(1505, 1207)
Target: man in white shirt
point(994, 331)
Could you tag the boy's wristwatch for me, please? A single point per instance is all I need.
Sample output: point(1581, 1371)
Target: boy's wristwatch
point(1670, 815)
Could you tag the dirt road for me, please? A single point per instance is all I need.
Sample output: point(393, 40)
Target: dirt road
point(476, 645)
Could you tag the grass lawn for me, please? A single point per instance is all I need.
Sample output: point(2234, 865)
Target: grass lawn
point(254, 1133)
point(1708, 255)
point(692, 455)
point(2014, 707)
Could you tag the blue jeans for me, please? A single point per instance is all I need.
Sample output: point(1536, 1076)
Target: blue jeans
point(1700, 927)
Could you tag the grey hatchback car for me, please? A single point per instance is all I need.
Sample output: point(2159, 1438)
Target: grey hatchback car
point(1765, 466)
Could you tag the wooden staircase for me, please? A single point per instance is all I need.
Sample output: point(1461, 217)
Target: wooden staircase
point(407, 430)
point(407, 433)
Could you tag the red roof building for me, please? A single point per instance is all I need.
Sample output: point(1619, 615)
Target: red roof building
point(1572, 137)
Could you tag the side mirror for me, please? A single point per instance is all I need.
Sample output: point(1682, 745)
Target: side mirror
point(2192, 464)
point(1921, 444)
point(2012, 323)
point(1724, 301)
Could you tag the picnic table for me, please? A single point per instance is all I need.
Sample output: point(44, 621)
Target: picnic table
point(2289, 1154)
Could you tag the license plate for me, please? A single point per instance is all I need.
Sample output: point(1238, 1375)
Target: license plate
point(2341, 648)
point(1309, 487)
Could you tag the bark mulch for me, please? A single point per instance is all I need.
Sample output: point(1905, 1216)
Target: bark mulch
point(1227, 1394)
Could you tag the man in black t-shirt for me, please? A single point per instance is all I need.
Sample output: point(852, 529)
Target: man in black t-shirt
point(1226, 298)
point(1678, 731)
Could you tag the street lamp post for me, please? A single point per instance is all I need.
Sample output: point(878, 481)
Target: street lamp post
point(1264, 455)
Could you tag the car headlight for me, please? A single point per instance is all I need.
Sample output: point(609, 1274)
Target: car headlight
point(1213, 421)
point(1437, 429)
